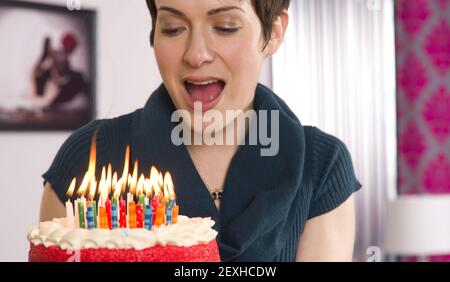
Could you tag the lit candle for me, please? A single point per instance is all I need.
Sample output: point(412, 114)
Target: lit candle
point(81, 214)
point(159, 218)
point(69, 214)
point(90, 216)
point(94, 208)
point(130, 198)
point(123, 213)
point(132, 214)
point(169, 216)
point(154, 203)
point(69, 206)
point(142, 201)
point(175, 210)
point(103, 219)
point(83, 202)
point(172, 203)
point(148, 217)
point(114, 223)
point(139, 216)
point(77, 215)
point(108, 212)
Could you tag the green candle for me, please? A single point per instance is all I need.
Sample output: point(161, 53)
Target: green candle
point(94, 205)
point(81, 214)
point(142, 201)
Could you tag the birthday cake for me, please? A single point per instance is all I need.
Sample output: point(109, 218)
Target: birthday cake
point(188, 240)
point(133, 218)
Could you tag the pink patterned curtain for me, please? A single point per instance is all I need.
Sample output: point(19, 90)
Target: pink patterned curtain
point(423, 80)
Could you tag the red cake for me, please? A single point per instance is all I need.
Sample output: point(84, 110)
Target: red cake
point(188, 240)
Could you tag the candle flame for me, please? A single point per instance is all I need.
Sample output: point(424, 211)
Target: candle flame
point(110, 183)
point(125, 169)
point(83, 186)
point(89, 181)
point(103, 185)
point(132, 179)
point(109, 178)
point(114, 181)
point(118, 189)
point(155, 187)
point(168, 187)
point(91, 168)
point(148, 187)
point(140, 185)
point(71, 187)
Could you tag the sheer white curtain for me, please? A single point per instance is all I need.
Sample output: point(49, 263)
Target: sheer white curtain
point(336, 70)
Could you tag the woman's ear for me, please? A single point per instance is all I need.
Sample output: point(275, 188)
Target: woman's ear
point(278, 31)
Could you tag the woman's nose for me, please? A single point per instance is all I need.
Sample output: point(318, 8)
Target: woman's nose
point(198, 52)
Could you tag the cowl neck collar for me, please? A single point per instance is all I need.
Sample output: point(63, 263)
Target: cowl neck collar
point(259, 201)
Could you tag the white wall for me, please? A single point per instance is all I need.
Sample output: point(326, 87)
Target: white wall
point(126, 76)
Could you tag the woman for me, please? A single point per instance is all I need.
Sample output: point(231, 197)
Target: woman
point(295, 204)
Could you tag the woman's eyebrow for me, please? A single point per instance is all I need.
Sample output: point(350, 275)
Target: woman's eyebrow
point(172, 10)
point(210, 13)
point(224, 9)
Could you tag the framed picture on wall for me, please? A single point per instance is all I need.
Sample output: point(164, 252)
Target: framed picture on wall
point(47, 66)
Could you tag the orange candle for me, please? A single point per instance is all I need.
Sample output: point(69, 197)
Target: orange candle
point(175, 214)
point(132, 214)
point(159, 219)
point(103, 218)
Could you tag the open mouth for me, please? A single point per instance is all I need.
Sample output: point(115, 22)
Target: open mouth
point(207, 92)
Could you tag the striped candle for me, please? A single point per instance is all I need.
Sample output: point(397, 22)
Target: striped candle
point(90, 217)
point(169, 216)
point(172, 203)
point(148, 217)
point(114, 219)
point(94, 207)
point(123, 213)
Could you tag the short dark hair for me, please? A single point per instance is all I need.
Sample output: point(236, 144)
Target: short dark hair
point(266, 10)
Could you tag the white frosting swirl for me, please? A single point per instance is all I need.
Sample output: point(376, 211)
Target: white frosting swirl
point(186, 232)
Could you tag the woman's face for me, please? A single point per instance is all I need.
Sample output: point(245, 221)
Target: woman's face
point(209, 52)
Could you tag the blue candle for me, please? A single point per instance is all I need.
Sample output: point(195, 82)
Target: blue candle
point(148, 217)
point(172, 203)
point(169, 216)
point(90, 217)
point(114, 217)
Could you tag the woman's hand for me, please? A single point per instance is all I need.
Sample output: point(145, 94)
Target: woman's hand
point(329, 237)
point(51, 206)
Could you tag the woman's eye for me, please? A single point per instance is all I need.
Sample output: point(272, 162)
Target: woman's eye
point(226, 30)
point(172, 31)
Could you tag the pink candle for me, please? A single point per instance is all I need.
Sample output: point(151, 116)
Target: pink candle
point(139, 216)
point(108, 212)
point(154, 204)
point(123, 213)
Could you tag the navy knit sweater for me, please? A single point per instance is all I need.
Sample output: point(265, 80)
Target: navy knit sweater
point(266, 200)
